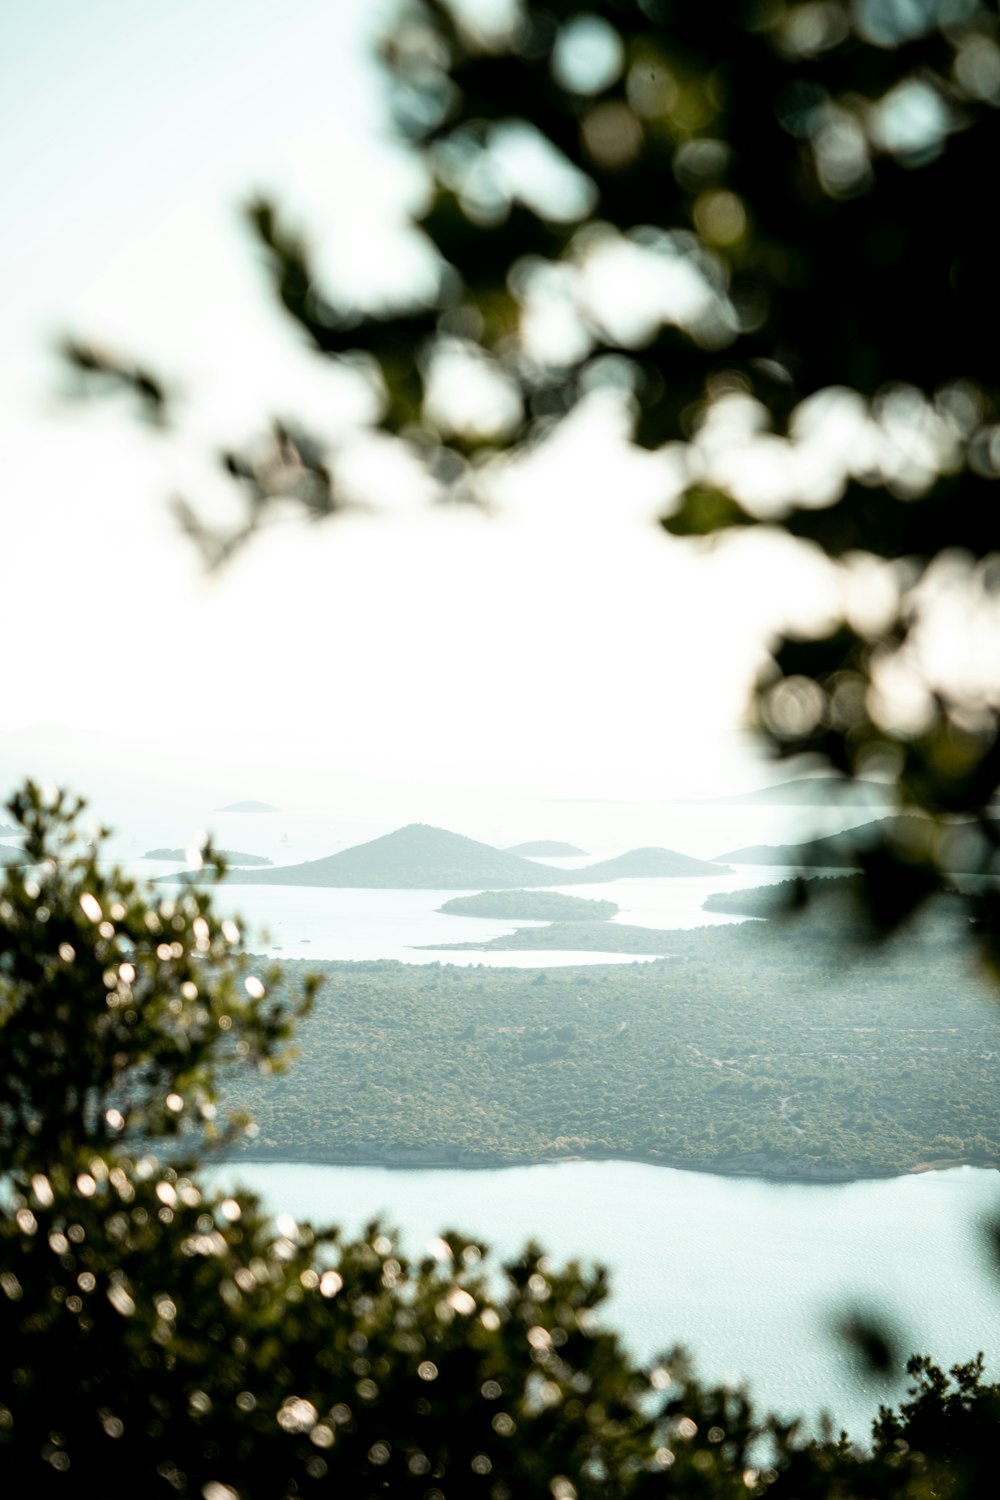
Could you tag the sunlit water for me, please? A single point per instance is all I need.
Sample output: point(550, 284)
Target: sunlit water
point(306, 922)
point(749, 1275)
point(314, 922)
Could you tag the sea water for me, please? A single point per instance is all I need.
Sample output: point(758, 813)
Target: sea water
point(752, 1276)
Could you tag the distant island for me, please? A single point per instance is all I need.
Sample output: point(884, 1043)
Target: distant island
point(7, 830)
point(638, 864)
point(249, 807)
point(231, 856)
point(813, 791)
point(545, 849)
point(961, 853)
point(417, 857)
point(530, 906)
point(571, 937)
point(420, 857)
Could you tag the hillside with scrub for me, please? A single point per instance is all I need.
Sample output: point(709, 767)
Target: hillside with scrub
point(765, 1048)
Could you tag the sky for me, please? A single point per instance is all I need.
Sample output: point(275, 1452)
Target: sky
point(564, 645)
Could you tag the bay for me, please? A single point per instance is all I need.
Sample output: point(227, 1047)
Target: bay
point(750, 1276)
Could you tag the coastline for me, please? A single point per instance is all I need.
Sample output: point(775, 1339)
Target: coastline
point(425, 1159)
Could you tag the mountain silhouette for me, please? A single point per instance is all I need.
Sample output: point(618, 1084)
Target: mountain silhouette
point(420, 857)
point(417, 857)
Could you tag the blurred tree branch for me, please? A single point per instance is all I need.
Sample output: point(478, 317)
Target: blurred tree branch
point(792, 207)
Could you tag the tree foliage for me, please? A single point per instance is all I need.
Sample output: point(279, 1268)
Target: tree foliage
point(118, 1012)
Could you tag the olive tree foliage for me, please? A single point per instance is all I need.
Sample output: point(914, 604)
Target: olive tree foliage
point(119, 1007)
point(162, 1337)
point(752, 222)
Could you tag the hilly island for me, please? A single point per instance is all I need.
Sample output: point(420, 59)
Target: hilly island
point(420, 857)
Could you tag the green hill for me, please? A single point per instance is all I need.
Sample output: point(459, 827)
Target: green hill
point(417, 857)
point(530, 906)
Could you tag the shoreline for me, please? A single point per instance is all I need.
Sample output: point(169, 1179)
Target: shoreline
point(454, 1160)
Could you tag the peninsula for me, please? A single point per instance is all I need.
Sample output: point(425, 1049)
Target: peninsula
point(787, 897)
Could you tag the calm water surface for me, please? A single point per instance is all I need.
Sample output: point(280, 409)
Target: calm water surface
point(749, 1275)
point(315, 922)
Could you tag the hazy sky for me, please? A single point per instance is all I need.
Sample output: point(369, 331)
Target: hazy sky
point(566, 637)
